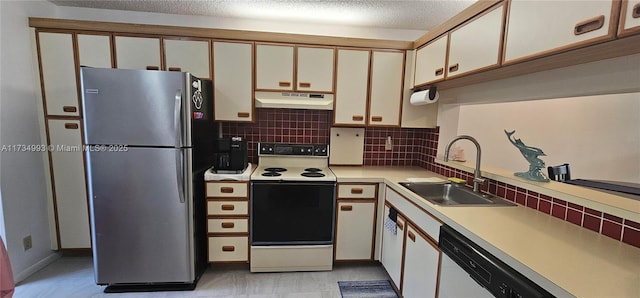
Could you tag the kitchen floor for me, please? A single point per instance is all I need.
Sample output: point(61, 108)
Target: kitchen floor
point(72, 277)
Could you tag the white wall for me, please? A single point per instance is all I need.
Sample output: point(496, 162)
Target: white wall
point(23, 186)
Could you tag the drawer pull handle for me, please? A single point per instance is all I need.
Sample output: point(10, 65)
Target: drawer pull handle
point(357, 118)
point(356, 190)
point(636, 11)
point(243, 114)
point(411, 236)
point(175, 69)
point(152, 67)
point(284, 84)
point(589, 25)
point(453, 68)
point(69, 109)
point(376, 118)
point(439, 71)
point(71, 125)
point(228, 207)
point(400, 225)
point(226, 189)
point(228, 225)
point(305, 85)
point(228, 248)
point(346, 208)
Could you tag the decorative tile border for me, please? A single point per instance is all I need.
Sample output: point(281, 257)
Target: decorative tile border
point(609, 225)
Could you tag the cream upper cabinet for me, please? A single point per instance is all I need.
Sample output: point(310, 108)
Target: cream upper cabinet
point(315, 69)
point(352, 81)
point(233, 86)
point(94, 50)
point(137, 52)
point(354, 230)
point(58, 73)
point(70, 193)
point(476, 45)
point(629, 18)
point(431, 61)
point(274, 67)
point(387, 74)
point(420, 271)
point(189, 56)
point(537, 28)
point(392, 247)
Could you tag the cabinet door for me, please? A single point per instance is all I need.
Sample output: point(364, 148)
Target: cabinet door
point(233, 86)
point(476, 45)
point(69, 183)
point(536, 28)
point(354, 232)
point(387, 75)
point(137, 52)
point(629, 18)
point(94, 50)
point(315, 69)
point(352, 81)
point(58, 73)
point(392, 246)
point(421, 259)
point(189, 56)
point(274, 67)
point(430, 61)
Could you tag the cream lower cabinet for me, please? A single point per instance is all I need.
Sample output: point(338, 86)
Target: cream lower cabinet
point(68, 179)
point(386, 90)
point(187, 55)
point(392, 248)
point(137, 52)
point(352, 81)
point(232, 81)
point(536, 28)
point(355, 229)
point(421, 263)
point(228, 221)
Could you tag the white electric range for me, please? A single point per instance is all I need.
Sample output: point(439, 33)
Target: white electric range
point(293, 201)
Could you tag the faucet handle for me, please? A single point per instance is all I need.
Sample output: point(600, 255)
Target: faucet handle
point(479, 180)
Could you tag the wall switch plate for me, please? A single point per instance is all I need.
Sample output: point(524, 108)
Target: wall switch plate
point(26, 243)
point(388, 145)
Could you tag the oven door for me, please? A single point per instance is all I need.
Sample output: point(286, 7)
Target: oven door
point(292, 213)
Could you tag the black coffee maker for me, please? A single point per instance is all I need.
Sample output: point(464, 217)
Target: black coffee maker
point(231, 155)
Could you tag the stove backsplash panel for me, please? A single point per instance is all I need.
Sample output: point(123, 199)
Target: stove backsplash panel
point(313, 126)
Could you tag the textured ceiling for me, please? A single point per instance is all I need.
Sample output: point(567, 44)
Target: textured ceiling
point(390, 14)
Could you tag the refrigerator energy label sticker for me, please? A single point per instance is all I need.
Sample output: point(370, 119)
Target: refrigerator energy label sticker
point(198, 115)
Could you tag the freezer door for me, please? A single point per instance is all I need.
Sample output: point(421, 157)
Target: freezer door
point(134, 107)
point(140, 215)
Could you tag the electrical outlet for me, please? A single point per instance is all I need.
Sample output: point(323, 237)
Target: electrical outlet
point(388, 145)
point(26, 243)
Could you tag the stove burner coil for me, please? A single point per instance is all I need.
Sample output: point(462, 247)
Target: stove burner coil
point(312, 174)
point(271, 174)
point(275, 170)
point(312, 170)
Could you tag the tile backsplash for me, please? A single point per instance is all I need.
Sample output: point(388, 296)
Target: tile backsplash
point(417, 147)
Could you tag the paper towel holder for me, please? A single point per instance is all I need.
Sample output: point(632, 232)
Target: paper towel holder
point(432, 90)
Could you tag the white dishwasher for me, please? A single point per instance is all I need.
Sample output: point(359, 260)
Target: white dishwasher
point(467, 270)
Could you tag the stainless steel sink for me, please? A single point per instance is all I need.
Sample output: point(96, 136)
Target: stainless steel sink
point(448, 194)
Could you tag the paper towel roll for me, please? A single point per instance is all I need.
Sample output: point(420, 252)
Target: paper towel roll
point(422, 98)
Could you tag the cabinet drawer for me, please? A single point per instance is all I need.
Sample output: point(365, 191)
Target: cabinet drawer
point(227, 190)
point(228, 249)
point(367, 191)
point(228, 225)
point(227, 208)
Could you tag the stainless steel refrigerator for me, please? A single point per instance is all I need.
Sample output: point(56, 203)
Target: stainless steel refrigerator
point(150, 138)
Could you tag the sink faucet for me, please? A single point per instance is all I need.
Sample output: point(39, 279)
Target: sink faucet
point(477, 179)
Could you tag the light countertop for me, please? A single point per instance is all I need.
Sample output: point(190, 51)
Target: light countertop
point(565, 259)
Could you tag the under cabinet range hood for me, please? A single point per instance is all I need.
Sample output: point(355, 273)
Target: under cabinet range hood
point(294, 100)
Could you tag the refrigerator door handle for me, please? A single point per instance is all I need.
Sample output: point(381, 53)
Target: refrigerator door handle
point(176, 119)
point(180, 175)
